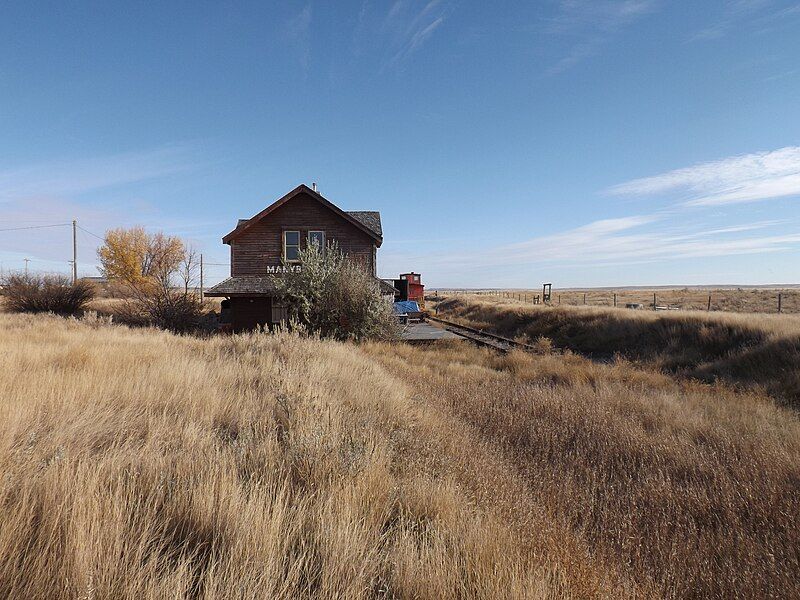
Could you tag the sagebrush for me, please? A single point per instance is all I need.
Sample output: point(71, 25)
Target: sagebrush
point(46, 293)
point(333, 295)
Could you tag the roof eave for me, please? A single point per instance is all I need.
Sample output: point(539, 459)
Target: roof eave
point(210, 294)
point(281, 201)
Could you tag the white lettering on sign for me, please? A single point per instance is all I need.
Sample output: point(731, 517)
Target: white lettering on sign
point(280, 269)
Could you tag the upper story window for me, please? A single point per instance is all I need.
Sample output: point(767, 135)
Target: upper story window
point(291, 246)
point(317, 238)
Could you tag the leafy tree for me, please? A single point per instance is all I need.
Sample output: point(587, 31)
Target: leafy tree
point(334, 296)
point(135, 256)
point(157, 271)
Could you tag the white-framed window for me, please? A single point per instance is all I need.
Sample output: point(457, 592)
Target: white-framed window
point(317, 238)
point(291, 246)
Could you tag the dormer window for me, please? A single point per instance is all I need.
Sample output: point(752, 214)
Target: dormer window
point(317, 238)
point(291, 246)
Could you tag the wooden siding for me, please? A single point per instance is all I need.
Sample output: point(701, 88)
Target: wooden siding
point(249, 313)
point(262, 245)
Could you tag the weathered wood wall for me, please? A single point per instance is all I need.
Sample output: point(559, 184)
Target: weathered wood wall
point(262, 244)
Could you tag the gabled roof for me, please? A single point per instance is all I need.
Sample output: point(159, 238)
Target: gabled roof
point(367, 221)
point(368, 218)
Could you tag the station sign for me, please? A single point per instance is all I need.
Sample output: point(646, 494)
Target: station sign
point(282, 269)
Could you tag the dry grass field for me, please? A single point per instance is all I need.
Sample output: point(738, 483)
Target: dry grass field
point(136, 463)
point(740, 300)
point(754, 351)
point(139, 464)
point(624, 477)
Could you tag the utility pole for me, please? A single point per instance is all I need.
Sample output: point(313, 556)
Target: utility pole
point(201, 277)
point(27, 260)
point(74, 251)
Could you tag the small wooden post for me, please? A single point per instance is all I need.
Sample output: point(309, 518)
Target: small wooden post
point(584, 299)
point(654, 300)
point(615, 299)
point(779, 302)
point(709, 303)
point(559, 298)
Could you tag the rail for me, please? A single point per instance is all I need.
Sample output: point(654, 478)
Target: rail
point(483, 338)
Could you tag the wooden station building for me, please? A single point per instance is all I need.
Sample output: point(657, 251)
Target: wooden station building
point(267, 246)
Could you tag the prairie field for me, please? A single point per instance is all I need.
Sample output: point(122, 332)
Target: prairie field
point(137, 463)
point(752, 351)
point(723, 299)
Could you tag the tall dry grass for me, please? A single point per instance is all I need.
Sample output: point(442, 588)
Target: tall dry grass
point(752, 351)
point(139, 464)
point(680, 489)
point(136, 463)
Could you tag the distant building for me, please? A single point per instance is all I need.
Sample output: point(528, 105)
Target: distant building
point(267, 246)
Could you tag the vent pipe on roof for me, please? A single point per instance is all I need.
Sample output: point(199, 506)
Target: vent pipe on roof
point(314, 186)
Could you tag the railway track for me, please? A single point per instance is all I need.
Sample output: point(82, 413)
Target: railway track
point(482, 338)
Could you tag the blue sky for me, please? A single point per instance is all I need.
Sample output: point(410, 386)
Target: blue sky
point(587, 143)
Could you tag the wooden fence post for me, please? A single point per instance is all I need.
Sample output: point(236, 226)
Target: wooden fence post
point(615, 299)
point(709, 303)
point(584, 299)
point(654, 300)
point(779, 302)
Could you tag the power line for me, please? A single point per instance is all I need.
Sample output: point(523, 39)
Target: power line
point(36, 227)
point(90, 233)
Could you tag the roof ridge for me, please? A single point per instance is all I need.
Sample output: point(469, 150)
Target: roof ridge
point(370, 226)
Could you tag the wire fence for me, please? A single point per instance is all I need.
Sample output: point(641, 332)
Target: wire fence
point(742, 299)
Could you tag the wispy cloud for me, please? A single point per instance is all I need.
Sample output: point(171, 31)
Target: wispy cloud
point(622, 241)
point(410, 26)
point(625, 240)
point(733, 13)
point(592, 23)
point(69, 178)
point(737, 179)
point(296, 31)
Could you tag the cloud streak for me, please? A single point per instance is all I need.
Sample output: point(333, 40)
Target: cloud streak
point(411, 28)
point(593, 23)
point(622, 241)
point(296, 31)
point(73, 177)
point(733, 180)
point(734, 12)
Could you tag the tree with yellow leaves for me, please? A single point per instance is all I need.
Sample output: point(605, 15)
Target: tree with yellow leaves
point(150, 265)
point(137, 257)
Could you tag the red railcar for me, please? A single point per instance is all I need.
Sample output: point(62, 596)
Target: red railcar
point(411, 288)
